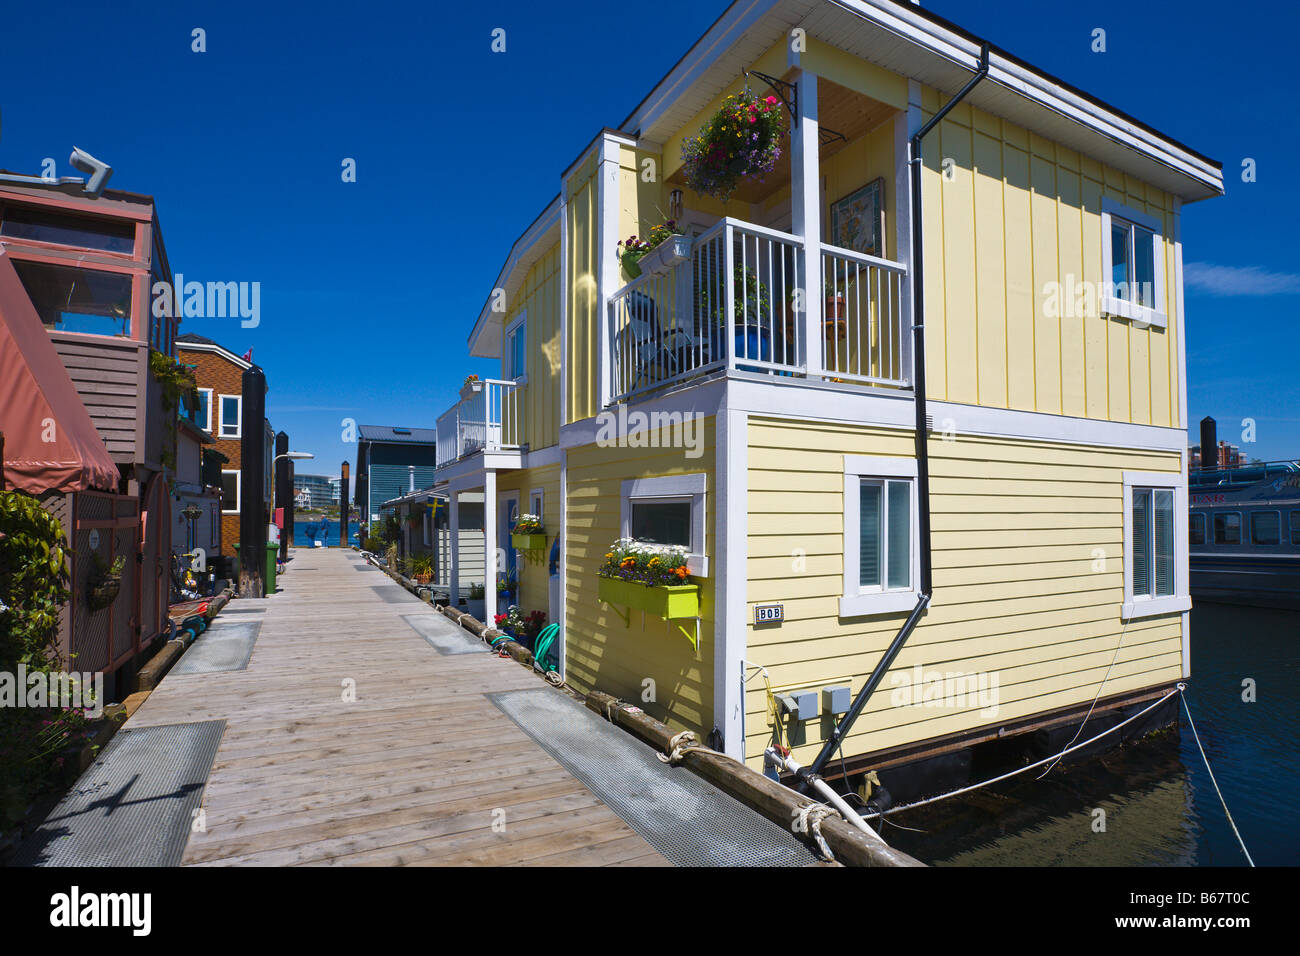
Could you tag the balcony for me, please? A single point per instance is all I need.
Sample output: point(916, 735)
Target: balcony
point(671, 324)
point(486, 419)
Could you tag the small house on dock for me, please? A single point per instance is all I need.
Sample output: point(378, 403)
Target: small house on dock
point(869, 406)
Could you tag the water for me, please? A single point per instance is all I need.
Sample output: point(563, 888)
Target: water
point(325, 530)
point(1161, 808)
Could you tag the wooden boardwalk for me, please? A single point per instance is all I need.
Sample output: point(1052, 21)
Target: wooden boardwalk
point(414, 771)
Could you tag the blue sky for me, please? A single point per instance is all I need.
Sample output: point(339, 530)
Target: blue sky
point(369, 289)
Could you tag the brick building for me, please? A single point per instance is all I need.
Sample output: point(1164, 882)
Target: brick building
point(219, 373)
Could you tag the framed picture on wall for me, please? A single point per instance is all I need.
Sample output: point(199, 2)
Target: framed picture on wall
point(858, 220)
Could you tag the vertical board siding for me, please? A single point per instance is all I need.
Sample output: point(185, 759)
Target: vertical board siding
point(603, 652)
point(1019, 588)
point(539, 399)
point(534, 575)
point(1008, 213)
point(582, 288)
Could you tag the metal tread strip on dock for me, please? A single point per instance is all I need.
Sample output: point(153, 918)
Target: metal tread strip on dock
point(135, 805)
point(684, 817)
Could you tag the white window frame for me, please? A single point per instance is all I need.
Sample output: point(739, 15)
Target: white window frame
point(239, 417)
point(520, 325)
point(239, 491)
point(539, 495)
point(1141, 316)
point(208, 426)
point(1142, 606)
point(692, 488)
point(858, 601)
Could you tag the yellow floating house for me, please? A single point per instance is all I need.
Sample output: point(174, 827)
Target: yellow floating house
point(750, 390)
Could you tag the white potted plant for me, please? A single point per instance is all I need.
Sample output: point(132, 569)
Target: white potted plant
point(472, 384)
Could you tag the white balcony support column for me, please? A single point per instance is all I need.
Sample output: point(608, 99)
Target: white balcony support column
point(607, 264)
point(905, 124)
point(806, 214)
point(489, 545)
point(453, 508)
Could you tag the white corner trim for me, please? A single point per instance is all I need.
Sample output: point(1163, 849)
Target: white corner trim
point(693, 487)
point(731, 629)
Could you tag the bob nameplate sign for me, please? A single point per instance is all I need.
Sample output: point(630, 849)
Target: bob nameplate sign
point(769, 613)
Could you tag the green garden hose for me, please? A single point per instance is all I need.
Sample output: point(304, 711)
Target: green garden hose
point(542, 646)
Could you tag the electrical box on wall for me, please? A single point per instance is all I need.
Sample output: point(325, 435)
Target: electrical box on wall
point(835, 699)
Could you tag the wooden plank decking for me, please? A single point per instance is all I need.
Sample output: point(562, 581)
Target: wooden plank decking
point(415, 771)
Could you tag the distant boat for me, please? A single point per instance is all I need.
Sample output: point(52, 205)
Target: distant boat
point(1244, 534)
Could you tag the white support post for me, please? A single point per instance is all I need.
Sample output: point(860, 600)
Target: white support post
point(489, 545)
point(806, 214)
point(905, 124)
point(453, 506)
point(607, 264)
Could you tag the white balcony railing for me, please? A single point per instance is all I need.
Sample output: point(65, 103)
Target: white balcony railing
point(863, 318)
point(673, 325)
point(485, 419)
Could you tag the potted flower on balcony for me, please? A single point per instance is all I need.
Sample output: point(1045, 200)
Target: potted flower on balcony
point(651, 577)
point(664, 247)
point(471, 385)
point(528, 534)
point(741, 141)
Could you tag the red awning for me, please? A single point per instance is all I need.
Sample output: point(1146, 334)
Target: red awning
point(50, 442)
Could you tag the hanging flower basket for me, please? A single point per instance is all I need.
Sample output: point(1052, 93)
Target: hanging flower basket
point(741, 141)
point(104, 582)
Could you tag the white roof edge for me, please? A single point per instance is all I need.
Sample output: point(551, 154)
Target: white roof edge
point(548, 220)
point(1035, 86)
point(219, 349)
point(904, 21)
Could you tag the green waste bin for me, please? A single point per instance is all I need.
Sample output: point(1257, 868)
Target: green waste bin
point(268, 574)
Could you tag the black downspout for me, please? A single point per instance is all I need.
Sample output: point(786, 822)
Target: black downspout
point(922, 437)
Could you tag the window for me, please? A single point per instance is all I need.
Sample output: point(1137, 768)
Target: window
point(1132, 245)
point(535, 501)
point(516, 357)
point(1155, 558)
point(204, 414)
point(230, 492)
point(1227, 528)
point(662, 521)
point(881, 555)
point(1295, 527)
point(37, 225)
point(73, 299)
point(1265, 527)
point(668, 511)
point(1197, 527)
point(1153, 542)
point(231, 407)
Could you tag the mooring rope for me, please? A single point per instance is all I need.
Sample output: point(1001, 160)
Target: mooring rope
point(1027, 767)
point(808, 819)
point(1197, 737)
point(679, 747)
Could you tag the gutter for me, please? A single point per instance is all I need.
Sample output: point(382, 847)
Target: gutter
point(809, 776)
